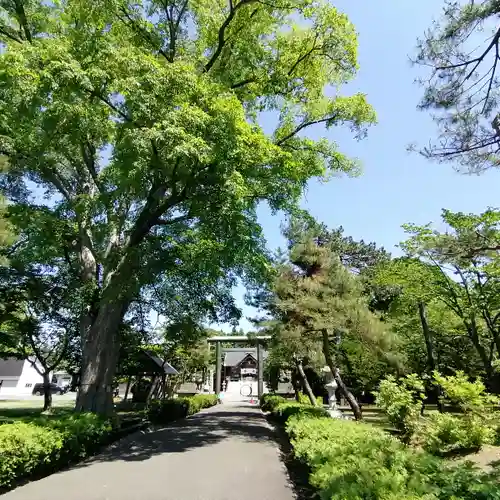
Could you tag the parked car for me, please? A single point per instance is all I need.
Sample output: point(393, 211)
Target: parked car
point(54, 389)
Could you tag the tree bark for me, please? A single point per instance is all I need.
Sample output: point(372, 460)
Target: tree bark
point(493, 381)
point(47, 394)
point(163, 384)
point(152, 390)
point(295, 385)
point(305, 382)
point(336, 374)
point(431, 358)
point(99, 358)
point(127, 388)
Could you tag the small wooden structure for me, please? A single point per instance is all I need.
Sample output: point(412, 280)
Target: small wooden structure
point(148, 364)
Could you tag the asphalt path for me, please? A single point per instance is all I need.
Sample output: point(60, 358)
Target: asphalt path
point(227, 452)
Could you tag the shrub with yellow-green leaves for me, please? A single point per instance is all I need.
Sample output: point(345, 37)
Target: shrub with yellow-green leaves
point(440, 433)
point(45, 445)
point(355, 461)
point(268, 402)
point(471, 428)
point(288, 409)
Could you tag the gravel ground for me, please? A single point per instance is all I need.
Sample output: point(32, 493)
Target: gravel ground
point(227, 452)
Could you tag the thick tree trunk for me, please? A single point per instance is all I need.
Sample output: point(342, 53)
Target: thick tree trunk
point(356, 409)
point(99, 357)
point(47, 394)
point(305, 383)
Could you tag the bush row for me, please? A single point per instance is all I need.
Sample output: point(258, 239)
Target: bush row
point(350, 460)
point(282, 409)
point(45, 445)
point(168, 410)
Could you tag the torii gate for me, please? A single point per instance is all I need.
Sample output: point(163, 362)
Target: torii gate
point(258, 339)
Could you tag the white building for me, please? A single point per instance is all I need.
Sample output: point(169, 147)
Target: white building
point(18, 377)
point(61, 378)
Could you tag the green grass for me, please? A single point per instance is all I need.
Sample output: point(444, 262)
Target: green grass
point(26, 411)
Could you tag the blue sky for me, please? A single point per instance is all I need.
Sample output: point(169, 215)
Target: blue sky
point(396, 187)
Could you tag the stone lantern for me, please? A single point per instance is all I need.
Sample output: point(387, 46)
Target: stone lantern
point(331, 386)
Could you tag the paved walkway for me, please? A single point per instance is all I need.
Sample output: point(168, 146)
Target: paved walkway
point(227, 452)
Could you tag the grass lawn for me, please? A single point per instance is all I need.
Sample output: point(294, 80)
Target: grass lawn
point(371, 415)
point(28, 410)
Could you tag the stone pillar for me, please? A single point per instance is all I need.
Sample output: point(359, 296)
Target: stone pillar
point(260, 370)
point(218, 367)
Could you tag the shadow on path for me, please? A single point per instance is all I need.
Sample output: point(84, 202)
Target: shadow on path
point(207, 428)
point(223, 453)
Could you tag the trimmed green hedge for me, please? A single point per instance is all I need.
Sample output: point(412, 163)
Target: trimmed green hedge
point(350, 460)
point(268, 402)
point(168, 410)
point(284, 411)
point(45, 445)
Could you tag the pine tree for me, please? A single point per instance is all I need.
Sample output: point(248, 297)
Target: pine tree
point(319, 298)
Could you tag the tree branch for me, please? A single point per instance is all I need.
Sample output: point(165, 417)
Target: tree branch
point(145, 34)
point(88, 153)
point(173, 27)
point(106, 101)
point(304, 56)
point(492, 78)
point(61, 354)
point(476, 61)
point(181, 218)
point(4, 30)
point(222, 32)
point(243, 83)
point(23, 21)
point(301, 127)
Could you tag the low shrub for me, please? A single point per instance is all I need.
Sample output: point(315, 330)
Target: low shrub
point(168, 410)
point(469, 397)
point(402, 401)
point(304, 399)
point(440, 434)
point(351, 460)
point(286, 410)
point(471, 430)
point(44, 445)
point(268, 402)
point(444, 433)
point(199, 402)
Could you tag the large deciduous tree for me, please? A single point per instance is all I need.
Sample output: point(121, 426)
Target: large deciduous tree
point(462, 52)
point(134, 149)
point(464, 276)
point(415, 280)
